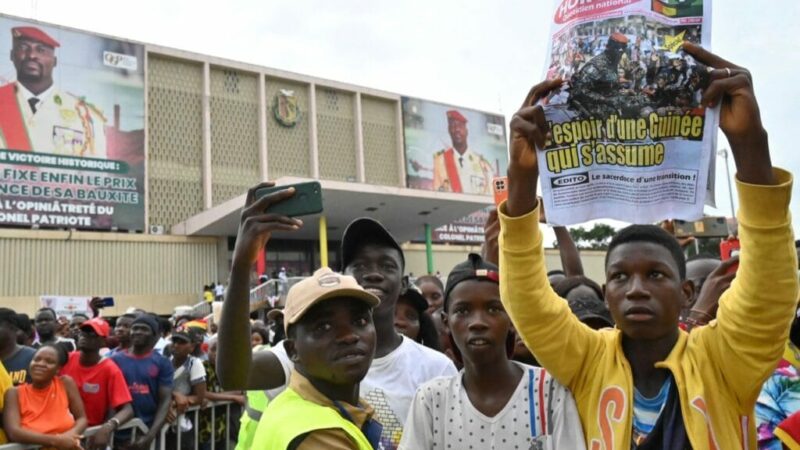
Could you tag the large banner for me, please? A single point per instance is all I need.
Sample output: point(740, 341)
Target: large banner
point(452, 149)
point(67, 306)
point(71, 129)
point(630, 138)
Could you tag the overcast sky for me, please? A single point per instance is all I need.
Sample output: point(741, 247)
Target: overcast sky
point(479, 54)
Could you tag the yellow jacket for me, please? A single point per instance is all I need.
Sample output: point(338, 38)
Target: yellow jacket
point(718, 369)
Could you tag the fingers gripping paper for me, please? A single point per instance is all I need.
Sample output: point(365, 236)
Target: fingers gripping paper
point(630, 138)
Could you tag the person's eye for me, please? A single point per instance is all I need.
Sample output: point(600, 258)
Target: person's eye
point(655, 274)
point(362, 321)
point(322, 327)
point(618, 276)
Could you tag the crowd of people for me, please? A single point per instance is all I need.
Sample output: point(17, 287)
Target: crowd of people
point(627, 69)
point(668, 353)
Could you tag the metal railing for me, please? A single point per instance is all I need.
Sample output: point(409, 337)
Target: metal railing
point(136, 425)
point(195, 412)
point(133, 424)
point(272, 293)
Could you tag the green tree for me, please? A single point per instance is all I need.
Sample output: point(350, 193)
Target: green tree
point(595, 238)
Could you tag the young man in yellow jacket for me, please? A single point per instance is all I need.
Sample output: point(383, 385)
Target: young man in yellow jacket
point(647, 384)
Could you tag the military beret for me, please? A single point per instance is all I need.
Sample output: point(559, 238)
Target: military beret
point(34, 34)
point(457, 116)
point(619, 37)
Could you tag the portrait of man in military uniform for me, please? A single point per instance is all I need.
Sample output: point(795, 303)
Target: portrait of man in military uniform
point(458, 168)
point(35, 115)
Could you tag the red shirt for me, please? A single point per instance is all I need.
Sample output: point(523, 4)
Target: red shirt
point(102, 387)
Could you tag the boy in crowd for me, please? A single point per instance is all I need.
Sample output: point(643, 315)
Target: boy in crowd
point(189, 384)
point(375, 260)
point(647, 384)
point(16, 358)
point(100, 382)
point(122, 331)
point(149, 378)
point(46, 322)
point(331, 340)
point(494, 403)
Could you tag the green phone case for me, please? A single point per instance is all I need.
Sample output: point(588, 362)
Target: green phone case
point(307, 199)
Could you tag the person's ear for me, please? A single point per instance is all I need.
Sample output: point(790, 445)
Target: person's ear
point(445, 321)
point(291, 351)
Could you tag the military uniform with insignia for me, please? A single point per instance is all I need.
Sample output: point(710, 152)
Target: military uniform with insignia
point(596, 91)
point(52, 121)
point(474, 171)
point(466, 172)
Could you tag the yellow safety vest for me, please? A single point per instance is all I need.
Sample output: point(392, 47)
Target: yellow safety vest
point(289, 415)
point(256, 404)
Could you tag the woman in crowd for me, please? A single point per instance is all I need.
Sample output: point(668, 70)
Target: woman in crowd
point(259, 336)
point(412, 320)
point(433, 291)
point(48, 411)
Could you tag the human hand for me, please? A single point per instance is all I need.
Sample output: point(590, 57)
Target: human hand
point(740, 118)
point(142, 443)
point(529, 131)
point(717, 282)
point(491, 234)
point(529, 128)
point(256, 226)
point(669, 226)
point(172, 415)
point(180, 401)
point(68, 441)
point(100, 439)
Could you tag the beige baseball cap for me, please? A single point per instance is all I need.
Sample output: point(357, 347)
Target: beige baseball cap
point(325, 284)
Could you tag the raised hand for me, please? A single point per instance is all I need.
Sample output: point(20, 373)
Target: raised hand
point(740, 118)
point(529, 131)
point(257, 226)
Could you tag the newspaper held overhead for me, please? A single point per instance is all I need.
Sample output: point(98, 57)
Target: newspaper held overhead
point(630, 139)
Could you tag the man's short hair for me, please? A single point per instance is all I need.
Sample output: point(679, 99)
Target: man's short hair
point(24, 322)
point(654, 235)
point(10, 317)
point(566, 285)
point(51, 310)
point(702, 256)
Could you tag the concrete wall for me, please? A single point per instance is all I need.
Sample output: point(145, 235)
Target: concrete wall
point(146, 271)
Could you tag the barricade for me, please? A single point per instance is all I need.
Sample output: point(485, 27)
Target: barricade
point(137, 426)
point(194, 412)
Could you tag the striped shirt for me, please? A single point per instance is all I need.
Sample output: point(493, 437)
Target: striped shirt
point(647, 410)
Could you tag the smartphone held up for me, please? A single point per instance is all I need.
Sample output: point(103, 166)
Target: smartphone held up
point(307, 199)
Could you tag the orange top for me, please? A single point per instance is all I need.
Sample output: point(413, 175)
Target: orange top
point(45, 410)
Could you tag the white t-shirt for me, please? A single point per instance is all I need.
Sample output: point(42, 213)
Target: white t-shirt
point(541, 415)
point(391, 383)
point(192, 372)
